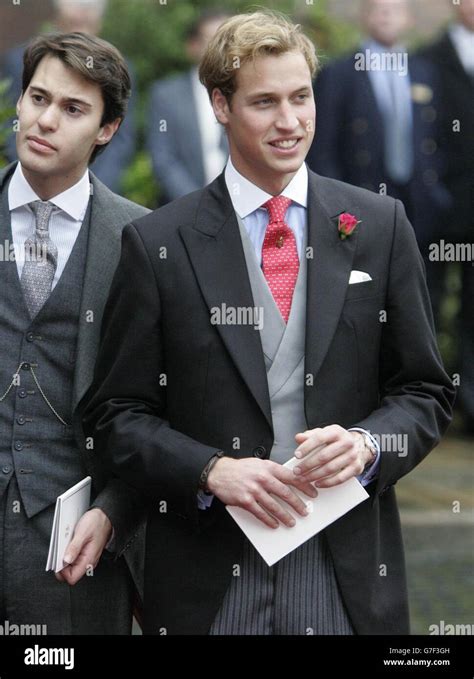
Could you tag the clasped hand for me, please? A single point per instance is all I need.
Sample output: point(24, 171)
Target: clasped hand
point(328, 456)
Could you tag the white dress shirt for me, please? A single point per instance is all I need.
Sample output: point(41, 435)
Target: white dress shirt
point(211, 131)
point(65, 222)
point(248, 199)
point(380, 80)
point(463, 41)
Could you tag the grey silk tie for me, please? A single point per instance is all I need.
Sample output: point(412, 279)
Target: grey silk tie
point(41, 260)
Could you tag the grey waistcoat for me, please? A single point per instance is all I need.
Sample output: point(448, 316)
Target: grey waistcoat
point(283, 348)
point(34, 444)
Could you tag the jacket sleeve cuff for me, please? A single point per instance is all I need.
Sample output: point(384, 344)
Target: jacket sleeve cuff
point(371, 473)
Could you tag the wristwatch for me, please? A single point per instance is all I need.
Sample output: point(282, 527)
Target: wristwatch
point(370, 447)
point(207, 470)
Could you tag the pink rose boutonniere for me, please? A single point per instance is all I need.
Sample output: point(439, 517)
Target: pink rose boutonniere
point(346, 225)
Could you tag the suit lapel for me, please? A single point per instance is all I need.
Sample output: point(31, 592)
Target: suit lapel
point(5, 174)
point(216, 253)
point(451, 58)
point(328, 272)
point(10, 266)
point(103, 252)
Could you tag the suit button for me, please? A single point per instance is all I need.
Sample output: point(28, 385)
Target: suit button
point(30, 336)
point(260, 452)
point(22, 393)
point(6, 469)
point(18, 445)
point(26, 366)
point(21, 419)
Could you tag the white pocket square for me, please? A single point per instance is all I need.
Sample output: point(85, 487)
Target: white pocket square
point(359, 277)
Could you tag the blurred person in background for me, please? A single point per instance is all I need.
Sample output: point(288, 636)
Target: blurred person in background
point(85, 16)
point(377, 119)
point(453, 56)
point(187, 145)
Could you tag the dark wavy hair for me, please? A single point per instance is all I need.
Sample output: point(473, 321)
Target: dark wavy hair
point(96, 60)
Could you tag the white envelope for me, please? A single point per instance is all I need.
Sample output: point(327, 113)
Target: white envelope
point(359, 277)
point(70, 506)
point(275, 543)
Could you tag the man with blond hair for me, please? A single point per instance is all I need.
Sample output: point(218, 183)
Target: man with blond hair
point(199, 410)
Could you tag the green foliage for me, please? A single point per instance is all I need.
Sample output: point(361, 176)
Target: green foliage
point(331, 37)
point(7, 111)
point(139, 183)
point(152, 34)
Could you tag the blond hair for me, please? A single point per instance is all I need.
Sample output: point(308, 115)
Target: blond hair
point(244, 37)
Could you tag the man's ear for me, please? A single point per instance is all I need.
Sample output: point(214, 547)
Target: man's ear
point(107, 131)
point(220, 106)
point(18, 104)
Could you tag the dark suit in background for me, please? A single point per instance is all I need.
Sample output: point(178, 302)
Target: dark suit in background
point(349, 142)
point(177, 153)
point(385, 377)
point(110, 165)
point(457, 140)
point(42, 457)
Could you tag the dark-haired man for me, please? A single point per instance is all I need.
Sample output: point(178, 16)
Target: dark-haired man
point(63, 227)
point(87, 17)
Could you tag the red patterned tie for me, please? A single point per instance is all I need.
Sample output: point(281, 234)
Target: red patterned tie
point(280, 261)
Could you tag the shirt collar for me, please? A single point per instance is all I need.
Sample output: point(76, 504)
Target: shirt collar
point(73, 201)
point(461, 33)
point(250, 197)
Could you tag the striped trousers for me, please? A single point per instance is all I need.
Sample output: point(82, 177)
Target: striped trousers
point(299, 595)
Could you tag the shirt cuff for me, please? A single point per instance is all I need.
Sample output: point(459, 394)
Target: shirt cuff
point(204, 500)
point(372, 472)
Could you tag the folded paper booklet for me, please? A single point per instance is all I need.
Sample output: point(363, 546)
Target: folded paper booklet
point(70, 506)
point(275, 543)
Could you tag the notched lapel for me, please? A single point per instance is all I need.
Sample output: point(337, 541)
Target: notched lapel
point(103, 252)
point(328, 275)
point(215, 249)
